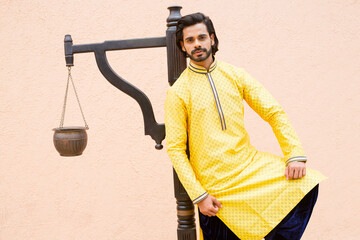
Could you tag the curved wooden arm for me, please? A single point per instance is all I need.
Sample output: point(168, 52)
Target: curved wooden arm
point(152, 128)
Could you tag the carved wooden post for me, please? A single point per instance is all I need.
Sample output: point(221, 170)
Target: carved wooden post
point(176, 64)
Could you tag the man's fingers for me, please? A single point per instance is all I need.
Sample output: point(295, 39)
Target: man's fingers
point(207, 213)
point(215, 211)
point(211, 212)
point(287, 173)
point(295, 170)
point(291, 173)
point(302, 172)
point(217, 203)
point(296, 173)
point(209, 206)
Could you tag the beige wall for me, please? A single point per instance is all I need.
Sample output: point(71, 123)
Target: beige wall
point(305, 52)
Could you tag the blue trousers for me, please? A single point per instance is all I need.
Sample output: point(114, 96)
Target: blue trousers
point(291, 227)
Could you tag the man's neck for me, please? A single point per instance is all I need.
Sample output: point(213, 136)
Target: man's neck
point(206, 63)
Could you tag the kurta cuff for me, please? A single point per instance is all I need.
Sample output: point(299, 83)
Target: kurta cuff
point(200, 198)
point(296, 159)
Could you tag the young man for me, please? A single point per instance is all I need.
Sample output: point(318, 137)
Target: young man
point(241, 193)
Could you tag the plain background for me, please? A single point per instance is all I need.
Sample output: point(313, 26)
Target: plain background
point(305, 52)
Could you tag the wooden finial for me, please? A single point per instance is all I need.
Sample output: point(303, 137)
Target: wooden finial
point(174, 15)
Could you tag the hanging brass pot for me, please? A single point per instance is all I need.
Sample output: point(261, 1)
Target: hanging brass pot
point(70, 141)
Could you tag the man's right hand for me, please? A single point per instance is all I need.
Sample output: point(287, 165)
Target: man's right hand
point(209, 206)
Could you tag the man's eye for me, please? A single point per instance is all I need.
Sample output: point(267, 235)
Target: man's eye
point(189, 40)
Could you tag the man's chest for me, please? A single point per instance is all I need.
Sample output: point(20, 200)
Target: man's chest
point(214, 92)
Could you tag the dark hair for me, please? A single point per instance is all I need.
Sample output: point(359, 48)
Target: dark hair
point(193, 19)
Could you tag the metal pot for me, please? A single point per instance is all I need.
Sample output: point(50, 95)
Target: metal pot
point(70, 141)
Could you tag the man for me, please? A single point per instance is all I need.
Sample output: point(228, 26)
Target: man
point(241, 193)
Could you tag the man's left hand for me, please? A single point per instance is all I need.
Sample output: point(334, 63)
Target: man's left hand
point(295, 170)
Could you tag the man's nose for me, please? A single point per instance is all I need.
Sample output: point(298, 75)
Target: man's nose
point(197, 44)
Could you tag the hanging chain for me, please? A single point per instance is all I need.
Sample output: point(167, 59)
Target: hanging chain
point(65, 100)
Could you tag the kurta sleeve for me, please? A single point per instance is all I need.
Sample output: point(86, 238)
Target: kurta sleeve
point(176, 139)
point(264, 104)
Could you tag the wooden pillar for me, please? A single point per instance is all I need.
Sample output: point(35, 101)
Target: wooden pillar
point(176, 65)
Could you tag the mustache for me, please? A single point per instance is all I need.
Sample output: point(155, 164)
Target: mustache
point(199, 49)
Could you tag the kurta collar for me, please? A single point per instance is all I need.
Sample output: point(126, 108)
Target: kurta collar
point(200, 69)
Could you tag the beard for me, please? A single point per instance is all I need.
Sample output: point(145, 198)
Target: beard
point(200, 58)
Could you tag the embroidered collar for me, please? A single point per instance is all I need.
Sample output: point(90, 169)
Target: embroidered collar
point(200, 69)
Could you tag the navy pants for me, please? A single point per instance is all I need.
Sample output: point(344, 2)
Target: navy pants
point(291, 227)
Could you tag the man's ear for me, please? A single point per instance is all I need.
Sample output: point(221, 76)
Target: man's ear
point(212, 39)
point(182, 46)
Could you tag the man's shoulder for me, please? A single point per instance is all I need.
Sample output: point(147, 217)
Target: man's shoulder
point(182, 80)
point(229, 67)
point(231, 71)
point(180, 86)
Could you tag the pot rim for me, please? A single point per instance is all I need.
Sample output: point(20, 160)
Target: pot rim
point(70, 128)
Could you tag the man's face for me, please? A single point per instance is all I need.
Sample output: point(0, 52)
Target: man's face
point(197, 42)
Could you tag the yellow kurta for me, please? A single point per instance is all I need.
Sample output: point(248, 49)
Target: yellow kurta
point(206, 108)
